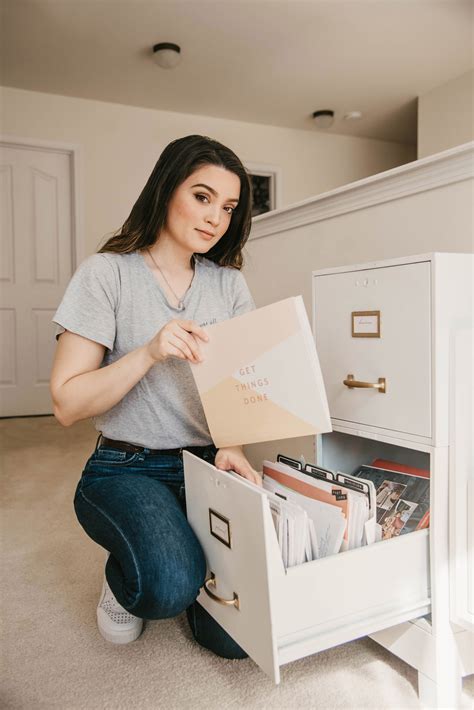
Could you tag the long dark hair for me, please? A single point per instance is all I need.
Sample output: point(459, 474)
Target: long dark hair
point(177, 162)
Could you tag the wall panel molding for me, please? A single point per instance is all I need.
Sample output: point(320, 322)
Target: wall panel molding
point(444, 168)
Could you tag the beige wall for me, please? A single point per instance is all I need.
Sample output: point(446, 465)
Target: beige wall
point(446, 116)
point(120, 145)
point(435, 220)
point(438, 219)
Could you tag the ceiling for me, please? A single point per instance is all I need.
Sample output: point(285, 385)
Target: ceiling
point(263, 61)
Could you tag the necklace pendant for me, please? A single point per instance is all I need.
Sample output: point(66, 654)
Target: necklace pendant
point(180, 306)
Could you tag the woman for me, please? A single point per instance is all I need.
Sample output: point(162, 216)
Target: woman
point(131, 321)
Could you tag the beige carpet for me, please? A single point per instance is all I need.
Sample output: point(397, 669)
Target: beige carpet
point(53, 656)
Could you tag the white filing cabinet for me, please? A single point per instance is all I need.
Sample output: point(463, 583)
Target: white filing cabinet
point(403, 327)
point(424, 306)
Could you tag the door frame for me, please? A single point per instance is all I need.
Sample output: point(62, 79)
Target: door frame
point(75, 153)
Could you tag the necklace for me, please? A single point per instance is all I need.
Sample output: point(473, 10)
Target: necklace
point(181, 305)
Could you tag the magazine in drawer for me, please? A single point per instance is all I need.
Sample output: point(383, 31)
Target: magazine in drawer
point(280, 615)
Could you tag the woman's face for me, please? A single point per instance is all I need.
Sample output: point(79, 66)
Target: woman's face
point(200, 209)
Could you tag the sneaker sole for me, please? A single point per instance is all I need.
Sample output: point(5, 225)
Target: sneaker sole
point(119, 637)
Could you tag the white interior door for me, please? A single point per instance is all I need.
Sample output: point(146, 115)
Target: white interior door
point(35, 267)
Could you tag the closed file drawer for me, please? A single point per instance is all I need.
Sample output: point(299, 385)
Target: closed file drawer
point(280, 615)
point(349, 308)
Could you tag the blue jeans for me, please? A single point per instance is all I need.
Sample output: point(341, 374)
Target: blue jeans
point(133, 505)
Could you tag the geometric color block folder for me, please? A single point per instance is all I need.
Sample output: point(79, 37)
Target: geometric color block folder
point(261, 379)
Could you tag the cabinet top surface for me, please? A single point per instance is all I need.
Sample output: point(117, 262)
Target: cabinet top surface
point(399, 261)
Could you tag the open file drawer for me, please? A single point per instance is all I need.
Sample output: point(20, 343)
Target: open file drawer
point(279, 615)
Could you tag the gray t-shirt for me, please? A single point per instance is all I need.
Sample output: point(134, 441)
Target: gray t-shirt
point(115, 300)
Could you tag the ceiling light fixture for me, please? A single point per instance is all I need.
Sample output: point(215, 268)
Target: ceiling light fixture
point(323, 119)
point(353, 116)
point(166, 54)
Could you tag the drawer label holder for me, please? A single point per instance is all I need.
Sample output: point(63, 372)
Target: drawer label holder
point(366, 324)
point(219, 527)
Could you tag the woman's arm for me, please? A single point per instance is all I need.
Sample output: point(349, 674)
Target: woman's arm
point(81, 388)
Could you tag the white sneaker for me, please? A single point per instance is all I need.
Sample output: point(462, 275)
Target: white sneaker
point(115, 623)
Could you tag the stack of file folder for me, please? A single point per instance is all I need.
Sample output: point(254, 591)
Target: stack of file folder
point(317, 512)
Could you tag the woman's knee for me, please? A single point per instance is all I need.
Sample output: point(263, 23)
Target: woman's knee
point(168, 590)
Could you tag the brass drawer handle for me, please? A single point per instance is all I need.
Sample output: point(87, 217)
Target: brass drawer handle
point(211, 582)
point(380, 385)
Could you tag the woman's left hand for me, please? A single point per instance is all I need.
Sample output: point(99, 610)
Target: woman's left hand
point(232, 458)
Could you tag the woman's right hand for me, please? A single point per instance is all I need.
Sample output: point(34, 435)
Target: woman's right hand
point(178, 338)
